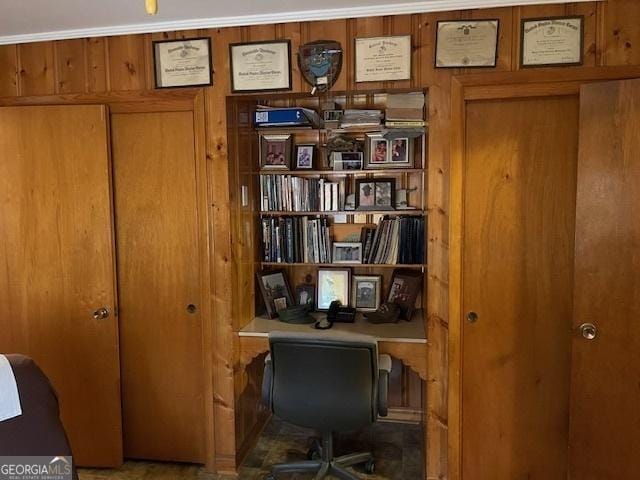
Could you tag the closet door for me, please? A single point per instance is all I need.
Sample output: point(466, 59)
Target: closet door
point(57, 286)
point(605, 394)
point(159, 290)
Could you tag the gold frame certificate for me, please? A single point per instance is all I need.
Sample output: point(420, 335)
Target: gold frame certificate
point(260, 66)
point(382, 59)
point(548, 42)
point(182, 63)
point(467, 43)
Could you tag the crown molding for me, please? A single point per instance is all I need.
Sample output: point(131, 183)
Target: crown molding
point(423, 6)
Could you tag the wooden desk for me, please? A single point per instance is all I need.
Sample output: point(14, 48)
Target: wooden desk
point(404, 340)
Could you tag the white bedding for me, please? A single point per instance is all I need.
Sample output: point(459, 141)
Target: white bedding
point(9, 398)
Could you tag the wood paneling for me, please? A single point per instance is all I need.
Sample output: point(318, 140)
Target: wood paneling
point(70, 66)
point(605, 420)
point(36, 68)
point(56, 247)
point(126, 63)
point(8, 71)
point(158, 279)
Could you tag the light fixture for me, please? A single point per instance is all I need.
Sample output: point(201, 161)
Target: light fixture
point(151, 6)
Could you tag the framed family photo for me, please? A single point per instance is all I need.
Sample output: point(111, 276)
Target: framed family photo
point(304, 157)
point(275, 152)
point(383, 153)
point(375, 193)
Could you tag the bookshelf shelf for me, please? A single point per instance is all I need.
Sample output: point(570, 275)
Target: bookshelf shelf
point(340, 173)
point(413, 213)
point(343, 265)
point(337, 130)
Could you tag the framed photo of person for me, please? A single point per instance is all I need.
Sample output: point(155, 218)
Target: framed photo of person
point(346, 252)
point(382, 153)
point(346, 160)
point(275, 291)
point(305, 157)
point(275, 152)
point(467, 43)
point(404, 290)
point(306, 294)
point(365, 292)
point(333, 284)
point(260, 66)
point(375, 193)
point(182, 63)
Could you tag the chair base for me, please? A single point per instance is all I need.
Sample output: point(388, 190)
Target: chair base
point(327, 464)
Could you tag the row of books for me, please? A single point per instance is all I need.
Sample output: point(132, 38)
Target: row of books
point(296, 240)
point(394, 240)
point(286, 193)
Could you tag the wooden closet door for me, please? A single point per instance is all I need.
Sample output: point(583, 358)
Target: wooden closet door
point(56, 252)
point(519, 217)
point(159, 290)
point(605, 393)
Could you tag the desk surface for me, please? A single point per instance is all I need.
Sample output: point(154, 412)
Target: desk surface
point(401, 332)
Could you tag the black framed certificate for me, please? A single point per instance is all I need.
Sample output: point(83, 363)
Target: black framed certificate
point(260, 66)
point(182, 63)
point(467, 43)
point(549, 42)
point(383, 58)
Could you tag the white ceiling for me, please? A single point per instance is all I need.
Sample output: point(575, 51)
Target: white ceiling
point(33, 20)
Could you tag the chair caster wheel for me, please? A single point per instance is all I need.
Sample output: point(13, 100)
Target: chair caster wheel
point(370, 467)
point(269, 476)
point(313, 454)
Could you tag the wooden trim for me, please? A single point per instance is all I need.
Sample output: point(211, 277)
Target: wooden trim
point(484, 87)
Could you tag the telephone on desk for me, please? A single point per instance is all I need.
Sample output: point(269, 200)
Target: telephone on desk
point(336, 313)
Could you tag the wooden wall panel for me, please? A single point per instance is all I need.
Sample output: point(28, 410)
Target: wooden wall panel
point(37, 68)
point(96, 61)
point(8, 71)
point(621, 36)
point(70, 66)
point(127, 65)
point(505, 37)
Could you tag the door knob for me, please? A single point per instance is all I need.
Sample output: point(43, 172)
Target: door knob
point(101, 313)
point(472, 317)
point(588, 331)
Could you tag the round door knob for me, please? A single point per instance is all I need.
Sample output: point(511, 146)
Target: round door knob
point(101, 313)
point(588, 331)
point(472, 317)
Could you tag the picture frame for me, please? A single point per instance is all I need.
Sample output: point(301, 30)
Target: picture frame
point(366, 292)
point(379, 59)
point(306, 294)
point(332, 118)
point(275, 151)
point(383, 153)
point(375, 193)
point(552, 41)
point(345, 161)
point(467, 43)
point(346, 252)
point(333, 284)
point(404, 289)
point(305, 156)
point(182, 63)
point(274, 285)
point(262, 66)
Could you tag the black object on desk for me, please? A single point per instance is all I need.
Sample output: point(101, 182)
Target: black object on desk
point(340, 314)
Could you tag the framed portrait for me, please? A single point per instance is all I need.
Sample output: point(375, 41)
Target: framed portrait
point(346, 160)
point(333, 284)
point(182, 63)
point(275, 152)
point(365, 292)
point(275, 291)
point(404, 290)
point(467, 43)
point(346, 252)
point(551, 42)
point(305, 157)
point(388, 153)
point(260, 66)
point(306, 294)
point(375, 193)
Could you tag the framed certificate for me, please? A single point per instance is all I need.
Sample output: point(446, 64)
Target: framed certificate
point(467, 43)
point(260, 66)
point(182, 63)
point(383, 58)
point(548, 42)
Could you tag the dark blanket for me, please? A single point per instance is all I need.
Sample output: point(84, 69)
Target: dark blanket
point(38, 431)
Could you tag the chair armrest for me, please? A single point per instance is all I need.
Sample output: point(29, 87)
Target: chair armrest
point(384, 368)
point(267, 378)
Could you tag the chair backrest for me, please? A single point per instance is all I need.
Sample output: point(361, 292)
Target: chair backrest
point(324, 382)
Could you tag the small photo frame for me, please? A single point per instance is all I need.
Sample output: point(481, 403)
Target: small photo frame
point(365, 292)
point(375, 193)
point(306, 295)
point(275, 291)
point(382, 153)
point(305, 156)
point(333, 284)
point(275, 152)
point(404, 290)
point(346, 252)
point(332, 116)
point(346, 160)
point(182, 63)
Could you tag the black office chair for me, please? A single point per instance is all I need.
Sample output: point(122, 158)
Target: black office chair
point(332, 382)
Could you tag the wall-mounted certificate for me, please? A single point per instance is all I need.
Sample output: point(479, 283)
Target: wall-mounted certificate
point(551, 41)
point(260, 66)
point(182, 63)
point(467, 43)
point(383, 58)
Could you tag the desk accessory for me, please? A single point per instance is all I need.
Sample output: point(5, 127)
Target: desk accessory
point(386, 313)
point(338, 313)
point(297, 314)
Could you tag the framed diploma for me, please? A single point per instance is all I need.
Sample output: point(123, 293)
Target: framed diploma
point(467, 43)
point(182, 63)
point(383, 58)
point(548, 42)
point(260, 66)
